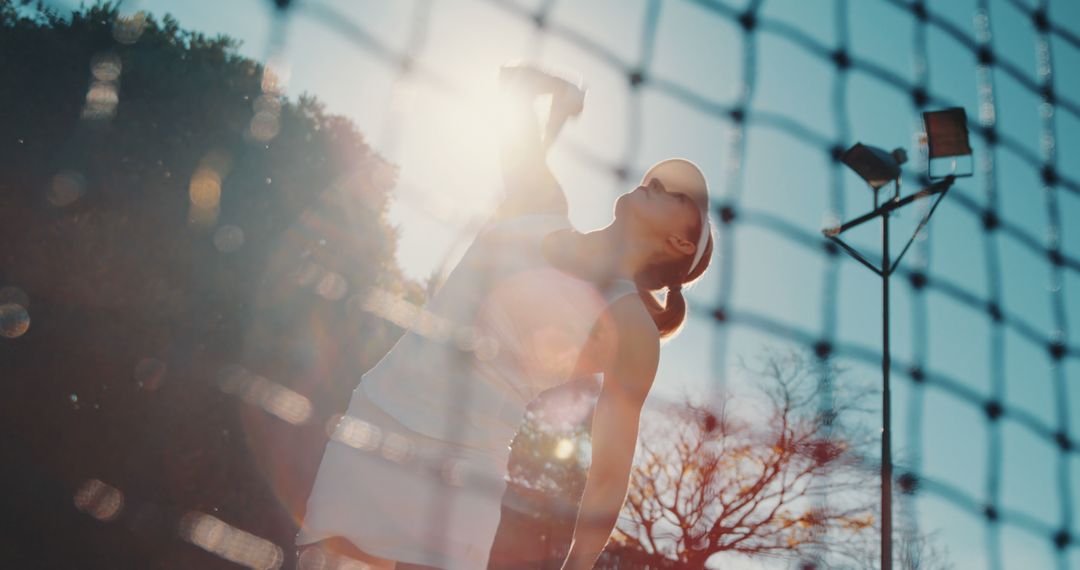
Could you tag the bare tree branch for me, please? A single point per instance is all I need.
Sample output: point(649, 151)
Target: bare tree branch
point(708, 482)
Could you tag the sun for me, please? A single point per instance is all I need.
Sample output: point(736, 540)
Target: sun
point(451, 142)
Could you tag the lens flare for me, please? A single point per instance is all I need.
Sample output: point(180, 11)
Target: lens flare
point(127, 28)
point(66, 187)
point(564, 449)
point(228, 238)
point(14, 320)
point(15, 295)
point(272, 397)
point(150, 374)
point(99, 500)
point(332, 286)
point(218, 537)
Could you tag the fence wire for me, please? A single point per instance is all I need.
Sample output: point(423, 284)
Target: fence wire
point(980, 499)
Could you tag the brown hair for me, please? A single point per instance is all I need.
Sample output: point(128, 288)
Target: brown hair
point(670, 317)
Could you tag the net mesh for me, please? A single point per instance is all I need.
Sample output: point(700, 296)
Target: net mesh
point(980, 199)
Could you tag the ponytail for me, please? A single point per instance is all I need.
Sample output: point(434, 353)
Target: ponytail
point(670, 274)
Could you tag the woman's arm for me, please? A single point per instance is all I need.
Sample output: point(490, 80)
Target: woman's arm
point(614, 431)
point(530, 187)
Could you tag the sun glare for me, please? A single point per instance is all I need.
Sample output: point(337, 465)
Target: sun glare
point(458, 143)
point(564, 448)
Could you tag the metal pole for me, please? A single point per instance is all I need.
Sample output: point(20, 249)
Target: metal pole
point(885, 210)
point(886, 431)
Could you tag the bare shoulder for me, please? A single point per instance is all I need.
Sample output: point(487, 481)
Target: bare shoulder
point(637, 351)
point(629, 314)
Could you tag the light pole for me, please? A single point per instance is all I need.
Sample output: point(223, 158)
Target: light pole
point(946, 137)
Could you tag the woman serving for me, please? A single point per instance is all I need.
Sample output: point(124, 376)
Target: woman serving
point(414, 473)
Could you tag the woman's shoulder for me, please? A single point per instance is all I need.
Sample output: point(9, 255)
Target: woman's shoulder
point(637, 347)
point(624, 327)
point(630, 313)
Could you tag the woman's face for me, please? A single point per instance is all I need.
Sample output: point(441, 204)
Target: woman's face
point(656, 211)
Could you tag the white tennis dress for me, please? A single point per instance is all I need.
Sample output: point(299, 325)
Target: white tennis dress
point(415, 469)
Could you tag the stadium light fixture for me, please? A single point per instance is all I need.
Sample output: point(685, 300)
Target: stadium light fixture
point(873, 164)
point(946, 137)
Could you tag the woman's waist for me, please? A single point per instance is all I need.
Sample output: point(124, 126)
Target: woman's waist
point(382, 425)
point(379, 437)
point(480, 407)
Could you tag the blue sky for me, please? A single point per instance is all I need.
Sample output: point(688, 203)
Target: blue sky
point(449, 175)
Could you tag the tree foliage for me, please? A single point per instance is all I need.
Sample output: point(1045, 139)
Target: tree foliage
point(157, 230)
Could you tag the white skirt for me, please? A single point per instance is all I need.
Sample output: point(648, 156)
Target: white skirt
point(403, 496)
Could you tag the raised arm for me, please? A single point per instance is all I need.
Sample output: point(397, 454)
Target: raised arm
point(614, 431)
point(530, 187)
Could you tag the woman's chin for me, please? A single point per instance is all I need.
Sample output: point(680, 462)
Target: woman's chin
point(620, 205)
point(624, 201)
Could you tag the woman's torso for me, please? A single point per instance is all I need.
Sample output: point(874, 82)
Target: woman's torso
point(505, 326)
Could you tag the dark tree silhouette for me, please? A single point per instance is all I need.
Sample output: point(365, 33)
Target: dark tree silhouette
point(167, 219)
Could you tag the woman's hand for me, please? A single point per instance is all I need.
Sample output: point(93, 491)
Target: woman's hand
point(528, 80)
point(531, 80)
point(567, 102)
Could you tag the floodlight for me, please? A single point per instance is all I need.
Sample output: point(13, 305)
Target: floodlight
point(946, 136)
point(876, 166)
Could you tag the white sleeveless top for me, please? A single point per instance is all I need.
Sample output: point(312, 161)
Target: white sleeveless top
point(533, 319)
